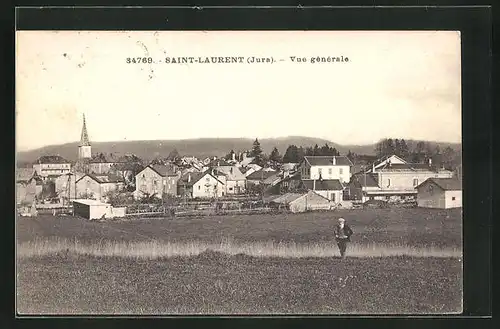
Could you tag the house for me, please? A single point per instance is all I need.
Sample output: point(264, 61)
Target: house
point(301, 202)
point(289, 183)
point(443, 193)
point(360, 184)
point(65, 185)
point(219, 163)
point(383, 162)
point(289, 168)
point(51, 165)
point(235, 182)
point(331, 189)
point(26, 185)
point(97, 186)
point(200, 185)
point(156, 180)
point(245, 160)
point(388, 180)
point(257, 177)
point(326, 167)
point(101, 164)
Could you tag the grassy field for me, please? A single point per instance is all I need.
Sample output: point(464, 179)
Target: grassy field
point(401, 261)
point(217, 283)
point(410, 227)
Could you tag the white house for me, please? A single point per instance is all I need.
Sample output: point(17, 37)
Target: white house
point(200, 185)
point(397, 180)
point(331, 189)
point(51, 165)
point(326, 167)
point(441, 193)
point(235, 180)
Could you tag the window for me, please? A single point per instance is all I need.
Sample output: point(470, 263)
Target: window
point(452, 198)
point(388, 182)
point(341, 171)
point(207, 179)
point(329, 171)
point(230, 189)
point(319, 171)
point(199, 187)
point(415, 182)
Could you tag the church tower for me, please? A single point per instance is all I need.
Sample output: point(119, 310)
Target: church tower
point(84, 149)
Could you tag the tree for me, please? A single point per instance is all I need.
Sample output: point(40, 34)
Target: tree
point(326, 150)
point(275, 155)
point(404, 149)
point(256, 149)
point(173, 155)
point(291, 154)
point(316, 150)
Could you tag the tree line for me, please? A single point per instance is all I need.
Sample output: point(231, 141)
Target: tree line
point(293, 153)
point(420, 152)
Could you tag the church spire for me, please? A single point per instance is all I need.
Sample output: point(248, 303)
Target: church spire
point(84, 140)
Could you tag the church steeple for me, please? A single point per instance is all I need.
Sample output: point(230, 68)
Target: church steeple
point(84, 149)
point(84, 140)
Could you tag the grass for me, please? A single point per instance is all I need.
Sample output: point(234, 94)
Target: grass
point(408, 227)
point(400, 261)
point(221, 284)
point(157, 249)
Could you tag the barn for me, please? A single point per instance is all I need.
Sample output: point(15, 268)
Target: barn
point(440, 193)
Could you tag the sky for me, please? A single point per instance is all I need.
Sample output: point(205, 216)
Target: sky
point(404, 84)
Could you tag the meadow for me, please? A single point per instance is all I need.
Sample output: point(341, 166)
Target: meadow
point(400, 261)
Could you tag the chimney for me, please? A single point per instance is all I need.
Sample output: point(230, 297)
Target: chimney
point(430, 162)
point(314, 185)
point(189, 178)
point(231, 170)
point(244, 155)
point(373, 167)
point(234, 156)
point(334, 161)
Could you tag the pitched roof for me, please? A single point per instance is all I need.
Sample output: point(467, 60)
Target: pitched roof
point(328, 160)
point(231, 173)
point(366, 180)
point(163, 170)
point(271, 179)
point(287, 198)
point(447, 184)
point(24, 174)
point(103, 179)
point(261, 175)
point(195, 177)
point(323, 185)
point(51, 159)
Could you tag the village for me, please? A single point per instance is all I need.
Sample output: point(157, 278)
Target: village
point(99, 186)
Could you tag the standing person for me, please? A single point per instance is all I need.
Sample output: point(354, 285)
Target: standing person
point(343, 235)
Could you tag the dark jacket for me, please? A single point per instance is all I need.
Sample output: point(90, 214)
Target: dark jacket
point(347, 231)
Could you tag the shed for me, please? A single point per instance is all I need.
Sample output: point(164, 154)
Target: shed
point(92, 209)
point(440, 193)
point(296, 202)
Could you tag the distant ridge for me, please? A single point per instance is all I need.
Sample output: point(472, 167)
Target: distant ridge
point(201, 147)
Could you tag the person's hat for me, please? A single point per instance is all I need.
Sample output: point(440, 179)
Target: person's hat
point(341, 220)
